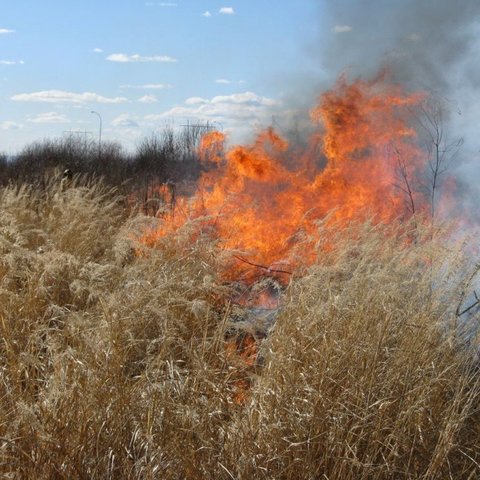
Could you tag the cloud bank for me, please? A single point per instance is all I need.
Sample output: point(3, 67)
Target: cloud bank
point(60, 96)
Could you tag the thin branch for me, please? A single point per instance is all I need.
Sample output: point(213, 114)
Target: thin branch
point(465, 310)
point(263, 267)
point(402, 167)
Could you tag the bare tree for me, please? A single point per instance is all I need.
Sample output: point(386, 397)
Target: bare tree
point(404, 179)
point(442, 150)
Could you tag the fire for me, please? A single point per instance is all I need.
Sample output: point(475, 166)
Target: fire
point(264, 199)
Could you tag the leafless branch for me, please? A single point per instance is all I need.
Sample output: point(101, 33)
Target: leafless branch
point(470, 307)
point(467, 287)
point(263, 267)
point(441, 150)
point(407, 189)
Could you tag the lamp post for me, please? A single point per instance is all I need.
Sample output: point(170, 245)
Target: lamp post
point(99, 133)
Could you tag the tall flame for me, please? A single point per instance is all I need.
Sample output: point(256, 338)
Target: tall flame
point(264, 198)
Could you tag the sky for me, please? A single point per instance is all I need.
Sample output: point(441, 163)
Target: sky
point(239, 65)
point(142, 65)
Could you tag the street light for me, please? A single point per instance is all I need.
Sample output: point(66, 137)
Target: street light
point(100, 132)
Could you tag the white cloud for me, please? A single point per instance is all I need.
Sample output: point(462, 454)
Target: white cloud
point(237, 109)
point(149, 86)
point(206, 14)
point(5, 31)
point(98, 50)
point(60, 96)
point(148, 99)
point(240, 116)
point(125, 120)
point(12, 62)
point(195, 101)
point(227, 11)
point(342, 28)
point(124, 58)
point(224, 81)
point(48, 117)
point(10, 125)
point(246, 98)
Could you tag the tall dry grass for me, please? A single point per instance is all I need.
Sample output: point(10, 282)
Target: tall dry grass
point(113, 361)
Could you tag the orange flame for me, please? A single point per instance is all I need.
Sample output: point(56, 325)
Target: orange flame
point(263, 199)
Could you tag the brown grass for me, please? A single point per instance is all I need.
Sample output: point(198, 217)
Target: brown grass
point(113, 365)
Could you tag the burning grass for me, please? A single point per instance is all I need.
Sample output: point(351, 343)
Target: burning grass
point(261, 198)
point(118, 365)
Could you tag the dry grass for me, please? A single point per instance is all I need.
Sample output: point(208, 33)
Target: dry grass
point(113, 365)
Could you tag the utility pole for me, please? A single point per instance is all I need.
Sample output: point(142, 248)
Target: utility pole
point(205, 126)
point(99, 133)
point(193, 131)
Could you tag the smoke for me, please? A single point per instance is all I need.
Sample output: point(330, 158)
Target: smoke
point(424, 44)
point(428, 45)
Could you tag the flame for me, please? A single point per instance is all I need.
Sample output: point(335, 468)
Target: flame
point(264, 199)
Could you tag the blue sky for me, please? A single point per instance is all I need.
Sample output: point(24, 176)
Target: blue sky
point(143, 64)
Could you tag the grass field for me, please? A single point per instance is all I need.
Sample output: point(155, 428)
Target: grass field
point(115, 361)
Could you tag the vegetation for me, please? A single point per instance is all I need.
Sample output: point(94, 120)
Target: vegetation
point(114, 358)
point(162, 157)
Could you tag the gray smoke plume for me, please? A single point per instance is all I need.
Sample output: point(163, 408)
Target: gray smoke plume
point(429, 45)
point(425, 44)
